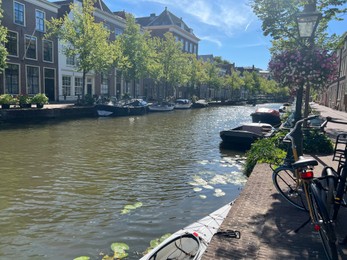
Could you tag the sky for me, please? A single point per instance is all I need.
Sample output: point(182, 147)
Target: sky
point(226, 28)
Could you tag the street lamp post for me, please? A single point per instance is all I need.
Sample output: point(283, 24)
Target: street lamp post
point(307, 22)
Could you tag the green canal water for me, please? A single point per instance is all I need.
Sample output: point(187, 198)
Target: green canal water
point(67, 187)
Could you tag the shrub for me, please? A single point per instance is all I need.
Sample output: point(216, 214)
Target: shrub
point(273, 151)
point(40, 98)
point(317, 142)
point(265, 150)
point(7, 99)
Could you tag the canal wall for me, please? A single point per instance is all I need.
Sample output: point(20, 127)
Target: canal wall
point(18, 115)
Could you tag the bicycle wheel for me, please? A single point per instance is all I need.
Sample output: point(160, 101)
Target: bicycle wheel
point(322, 223)
point(327, 192)
point(340, 192)
point(287, 185)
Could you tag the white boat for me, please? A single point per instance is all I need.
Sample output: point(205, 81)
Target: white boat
point(192, 241)
point(201, 103)
point(164, 107)
point(183, 104)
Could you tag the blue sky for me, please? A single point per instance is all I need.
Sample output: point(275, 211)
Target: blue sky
point(226, 28)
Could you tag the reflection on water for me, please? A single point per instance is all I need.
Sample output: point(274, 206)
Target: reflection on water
point(65, 185)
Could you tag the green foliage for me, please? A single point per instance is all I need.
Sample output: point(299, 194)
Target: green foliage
point(174, 65)
point(85, 39)
point(82, 258)
point(7, 99)
point(279, 21)
point(264, 151)
point(119, 250)
point(3, 40)
point(316, 142)
point(156, 242)
point(274, 151)
point(24, 99)
point(133, 45)
point(40, 98)
point(128, 208)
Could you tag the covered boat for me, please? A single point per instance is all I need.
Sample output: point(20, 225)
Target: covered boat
point(161, 107)
point(243, 136)
point(201, 103)
point(192, 241)
point(183, 104)
point(131, 108)
point(266, 115)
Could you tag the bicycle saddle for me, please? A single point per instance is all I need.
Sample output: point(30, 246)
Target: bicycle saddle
point(304, 162)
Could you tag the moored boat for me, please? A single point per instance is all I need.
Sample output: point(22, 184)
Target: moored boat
point(243, 136)
point(161, 107)
point(192, 241)
point(286, 107)
point(201, 103)
point(266, 115)
point(183, 104)
point(134, 107)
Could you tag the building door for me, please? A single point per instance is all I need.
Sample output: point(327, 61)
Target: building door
point(89, 86)
point(49, 90)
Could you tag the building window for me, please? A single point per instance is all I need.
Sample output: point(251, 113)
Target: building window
point(66, 86)
point(47, 51)
point(19, 13)
point(30, 47)
point(33, 80)
point(186, 47)
point(107, 26)
point(104, 84)
point(12, 43)
point(118, 31)
point(40, 20)
point(70, 60)
point(78, 86)
point(12, 79)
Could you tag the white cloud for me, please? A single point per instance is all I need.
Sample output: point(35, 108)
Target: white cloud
point(226, 16)
point(213, 40)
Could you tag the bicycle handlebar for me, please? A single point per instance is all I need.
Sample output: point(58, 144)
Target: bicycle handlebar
point(297, 124)
point(332, 120)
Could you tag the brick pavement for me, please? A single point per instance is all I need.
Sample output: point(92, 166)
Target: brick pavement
point(267, 223)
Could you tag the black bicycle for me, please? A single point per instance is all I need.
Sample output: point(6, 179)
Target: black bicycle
point(296, 183)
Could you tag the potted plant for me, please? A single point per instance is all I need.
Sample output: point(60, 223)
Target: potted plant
point(24, 101)
point(40, 99)
point(6, 100)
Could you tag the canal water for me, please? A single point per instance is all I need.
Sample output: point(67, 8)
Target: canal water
point(72, 188)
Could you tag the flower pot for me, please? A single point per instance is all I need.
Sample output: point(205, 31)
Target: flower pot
point(38, 105)
point(5, 106)
point(25, 105)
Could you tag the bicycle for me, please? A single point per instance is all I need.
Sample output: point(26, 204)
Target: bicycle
point(336, 184)
point(296, 183)
point(286, 183)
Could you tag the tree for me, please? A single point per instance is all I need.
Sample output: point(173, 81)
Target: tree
point(173, 61)
point(85, 39)
point(279, 21)
point(249, 81)
point(136, 50)
point(196, 74)
point(234, 82)
point(3, 40)
point(213, 79)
